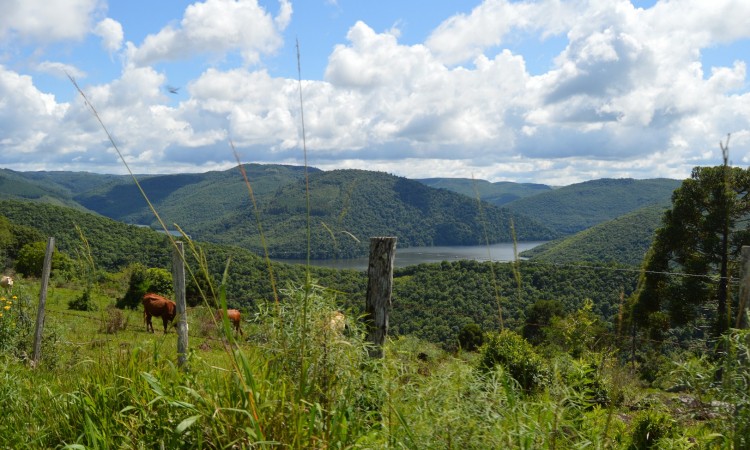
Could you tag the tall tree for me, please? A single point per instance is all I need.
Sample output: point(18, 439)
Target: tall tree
point(700, 236)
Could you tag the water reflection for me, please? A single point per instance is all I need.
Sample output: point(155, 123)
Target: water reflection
point(417, 255)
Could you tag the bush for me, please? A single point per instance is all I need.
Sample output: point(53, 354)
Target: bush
point(586, 380)
point(517, 356)
point(82, 302)
point(650, 427)
point(30, 261)
point(114, 321)
point(144, 280)
point(470, 337)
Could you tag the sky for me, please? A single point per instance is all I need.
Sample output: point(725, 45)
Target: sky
point(537, 91)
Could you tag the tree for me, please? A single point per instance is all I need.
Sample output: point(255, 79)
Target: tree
point(31, 260)
point(700, 236)
point(471, 337)
point(144, 280)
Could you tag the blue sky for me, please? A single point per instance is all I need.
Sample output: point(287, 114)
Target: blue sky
point(547, 91)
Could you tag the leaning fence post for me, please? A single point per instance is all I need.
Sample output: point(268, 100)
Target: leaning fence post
point(178, 277)
point(46, 269)
point(379, 289)
point(744, 288)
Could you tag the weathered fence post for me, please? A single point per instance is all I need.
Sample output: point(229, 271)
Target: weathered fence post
point(379, 289)
point(744, 288)
point(178, 277)
point(46, 269)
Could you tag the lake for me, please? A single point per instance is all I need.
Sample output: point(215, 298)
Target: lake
point(416, 255)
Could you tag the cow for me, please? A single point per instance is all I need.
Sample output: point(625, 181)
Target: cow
point(156, 305)
point(234, 317)
point(336, 322)
point(6, 283)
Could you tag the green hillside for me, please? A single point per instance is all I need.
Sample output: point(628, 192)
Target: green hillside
point(498, 193)
point(574, 208)
point(178, 198)
point(17, 185)
point(624, 240)
point(347, 207)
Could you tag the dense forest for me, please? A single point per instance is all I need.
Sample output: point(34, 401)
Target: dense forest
point(498, 193)
point(431, 301)
point(346, 206)
point(576, 207)
point(623, 240)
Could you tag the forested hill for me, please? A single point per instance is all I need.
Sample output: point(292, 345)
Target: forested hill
point(346, 208)
point(349, 206)
point(498, 193)
point(191, 200)
point(574, 208)
point(624, 240)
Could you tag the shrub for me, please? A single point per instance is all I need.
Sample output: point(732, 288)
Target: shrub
point(517, 356)
point(144, 280)
point(114, 321)
point(586, 380)
point(82, 302)
point(650, 427)
point(470, 337)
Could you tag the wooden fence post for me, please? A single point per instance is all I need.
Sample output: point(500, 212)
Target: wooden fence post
point(178, 277)
point(379, 289)
point(741, 321)
point(46, 269)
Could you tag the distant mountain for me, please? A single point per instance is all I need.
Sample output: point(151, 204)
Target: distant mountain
point(498, 193)
point(574, 208)
point(189, 200)
point(346, 208)
point(624, 240)
point(17, 185)
point(349, 206)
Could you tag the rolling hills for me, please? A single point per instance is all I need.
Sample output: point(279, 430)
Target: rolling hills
point(574, 208)
point(623, 240)
point(346, 206)
point(498, 193)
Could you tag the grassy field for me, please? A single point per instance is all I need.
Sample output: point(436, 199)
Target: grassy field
point(291, 382)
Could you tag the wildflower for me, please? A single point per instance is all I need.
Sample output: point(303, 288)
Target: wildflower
point(14, 297)
point(1, 314)
point(6, 307)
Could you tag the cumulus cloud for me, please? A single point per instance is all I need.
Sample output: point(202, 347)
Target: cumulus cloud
point(216, 27)
point(46, 20)
point(60, 70)
point(111, 33)
point(628, 96)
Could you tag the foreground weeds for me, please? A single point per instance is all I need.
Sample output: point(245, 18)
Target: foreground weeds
point(297, 382)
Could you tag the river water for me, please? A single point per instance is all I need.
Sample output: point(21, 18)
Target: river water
point(416, 255)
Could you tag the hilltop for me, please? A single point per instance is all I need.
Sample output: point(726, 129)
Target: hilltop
point(346, 208)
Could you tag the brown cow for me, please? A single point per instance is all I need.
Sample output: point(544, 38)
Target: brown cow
point(156, 305)
point(234, 317)
point(6, 283)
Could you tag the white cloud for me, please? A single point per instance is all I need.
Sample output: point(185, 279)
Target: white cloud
point(111, 33)
point(216, 27)
point(629, 96)
point(60, 70)
point(46, 21)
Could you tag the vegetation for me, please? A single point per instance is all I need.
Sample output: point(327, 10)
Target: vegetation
point(570, 209)
point(349, 206)
point(457, 371)
point(498, 193)
point(624, 240)
point(703, 231)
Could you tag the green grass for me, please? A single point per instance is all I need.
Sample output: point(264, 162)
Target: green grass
point(124, 390)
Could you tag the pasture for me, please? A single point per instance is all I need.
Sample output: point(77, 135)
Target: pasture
point(293, 382)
